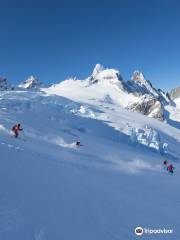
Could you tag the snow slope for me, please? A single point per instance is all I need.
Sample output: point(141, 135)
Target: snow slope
point(50, 189)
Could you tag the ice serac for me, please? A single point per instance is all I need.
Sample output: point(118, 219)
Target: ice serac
point(31, 82)
point(106, 75)
point(175, 93)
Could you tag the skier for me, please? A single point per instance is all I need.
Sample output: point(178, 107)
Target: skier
point(170, 168)
point(78, 143)
point(165, 163)
point(16, 129)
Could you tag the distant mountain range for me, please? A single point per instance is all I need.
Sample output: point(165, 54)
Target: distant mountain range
point(137, 94)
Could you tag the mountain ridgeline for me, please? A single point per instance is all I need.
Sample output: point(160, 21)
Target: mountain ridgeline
point(137, 94)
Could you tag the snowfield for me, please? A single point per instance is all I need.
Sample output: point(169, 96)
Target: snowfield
point(50, 189)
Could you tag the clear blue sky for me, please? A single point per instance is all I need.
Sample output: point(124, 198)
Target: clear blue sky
point(57, 39)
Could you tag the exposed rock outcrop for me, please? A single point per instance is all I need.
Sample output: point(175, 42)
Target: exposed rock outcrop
point(174, 93)
point(148, 106)
point(4, 85)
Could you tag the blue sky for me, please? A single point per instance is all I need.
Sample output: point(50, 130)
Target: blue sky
point(57, 39)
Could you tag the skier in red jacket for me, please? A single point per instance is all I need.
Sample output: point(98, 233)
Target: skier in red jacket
point(170, 168)
point(16, 129)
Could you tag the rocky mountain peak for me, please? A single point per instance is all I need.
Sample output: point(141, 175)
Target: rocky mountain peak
point(31, 82)
point(138, 76)
point(98, 68)
point(140, 86)
point(101, 74)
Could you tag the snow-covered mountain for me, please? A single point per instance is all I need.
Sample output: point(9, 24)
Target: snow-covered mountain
point(102, 75)
point(30, 83)
point(107, 85)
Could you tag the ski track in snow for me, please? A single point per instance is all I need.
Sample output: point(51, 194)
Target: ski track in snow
point(12, 146)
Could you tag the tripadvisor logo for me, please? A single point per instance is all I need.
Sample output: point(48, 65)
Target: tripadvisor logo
point(139, 231)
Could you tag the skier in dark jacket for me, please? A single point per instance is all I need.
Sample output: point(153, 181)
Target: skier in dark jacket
point(16, 129)
point(165, 164)
point(78, 143)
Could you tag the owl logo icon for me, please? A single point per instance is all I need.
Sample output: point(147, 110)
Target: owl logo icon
point(139, 231)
